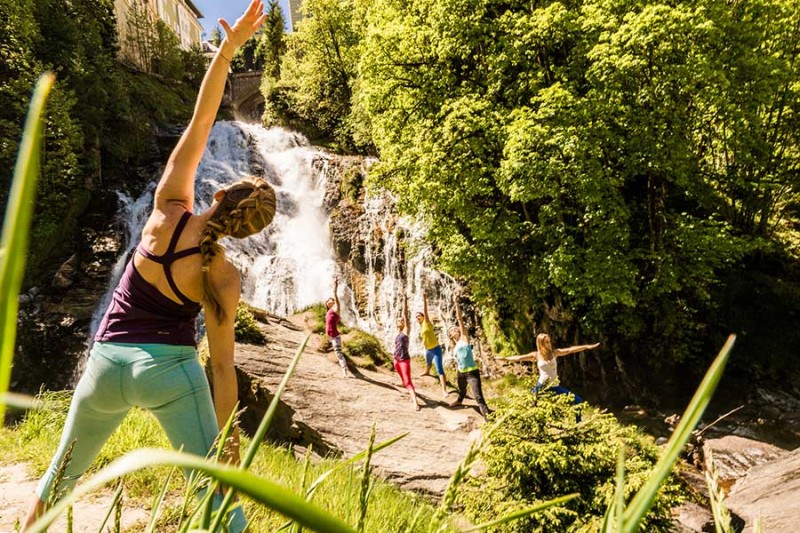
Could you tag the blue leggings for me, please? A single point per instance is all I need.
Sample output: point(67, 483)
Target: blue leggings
point(434, 355)
point(558, 389)
point(167, 380)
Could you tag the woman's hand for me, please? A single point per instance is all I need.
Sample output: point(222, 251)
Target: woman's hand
point(246, 25)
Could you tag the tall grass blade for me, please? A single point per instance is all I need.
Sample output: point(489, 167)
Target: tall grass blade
point(303, 482)
point(716, 497)
point(16, 228)
point(612, 519)
point(413, 524)
point(462, 470)
point(366, 485)
point(260, 433)
point(341, 464)
point(644, 498)
point(159, 501)
point(516, 515)
point(114, 501)
point(378, 447)
point(219, 445)
point(21, 401)
point(619, 504)
point(262, 490)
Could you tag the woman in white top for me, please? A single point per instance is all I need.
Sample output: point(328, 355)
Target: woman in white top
point(546, 358)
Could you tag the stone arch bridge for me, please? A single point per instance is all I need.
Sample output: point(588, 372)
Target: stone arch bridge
point(243, 96)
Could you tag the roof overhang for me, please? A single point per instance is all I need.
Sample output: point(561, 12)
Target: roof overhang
point(197, 12)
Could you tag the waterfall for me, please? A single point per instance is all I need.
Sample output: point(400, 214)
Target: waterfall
point(290, 265)
point(390, 271)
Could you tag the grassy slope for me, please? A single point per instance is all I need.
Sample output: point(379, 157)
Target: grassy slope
point(35, 439)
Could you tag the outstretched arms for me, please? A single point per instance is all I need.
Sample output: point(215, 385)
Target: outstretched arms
point(532, 356)
point(335, 294)
point(176, 186)
point(460, 318)
point(561, 352)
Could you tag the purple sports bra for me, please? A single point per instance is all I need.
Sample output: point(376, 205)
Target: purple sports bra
point(140, 314)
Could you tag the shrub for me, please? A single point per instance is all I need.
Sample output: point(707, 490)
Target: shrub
point(364, 349)
point(541, 452)
point(317, 321)
point(246, 329)
point(352, 183)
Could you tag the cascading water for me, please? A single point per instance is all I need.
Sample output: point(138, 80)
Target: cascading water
point(290, 266)
point(390, 272)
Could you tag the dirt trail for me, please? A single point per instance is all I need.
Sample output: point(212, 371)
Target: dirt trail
point(17, 484)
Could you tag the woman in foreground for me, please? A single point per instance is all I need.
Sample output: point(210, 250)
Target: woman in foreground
point(145, 352)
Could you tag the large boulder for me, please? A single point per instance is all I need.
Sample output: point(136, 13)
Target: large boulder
point(734, 457)
point(770, 492)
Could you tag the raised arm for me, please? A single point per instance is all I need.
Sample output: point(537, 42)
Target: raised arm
point(176, 186)
point(561, 352)
point(532, 356)
point(225, 279)
point(406, 317)
point(460, 318)
point(335, 294)
point(425, 306)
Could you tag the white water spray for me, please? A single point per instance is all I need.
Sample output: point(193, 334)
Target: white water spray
point(290, 266)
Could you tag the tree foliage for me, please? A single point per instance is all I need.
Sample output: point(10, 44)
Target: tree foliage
point(94, 95)
point(318, 74)
point(272, 43)
point(591, 168)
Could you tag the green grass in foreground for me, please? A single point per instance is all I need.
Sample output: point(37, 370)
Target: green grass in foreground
point(34, 440)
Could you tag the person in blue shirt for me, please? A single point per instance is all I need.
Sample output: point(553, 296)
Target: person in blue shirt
point(465, 361)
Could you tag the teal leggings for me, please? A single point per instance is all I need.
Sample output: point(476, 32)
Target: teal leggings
point(167, 380)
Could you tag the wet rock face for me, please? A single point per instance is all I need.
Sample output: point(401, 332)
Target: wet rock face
point(344, 203)
point(733, 457)
point(54, 321)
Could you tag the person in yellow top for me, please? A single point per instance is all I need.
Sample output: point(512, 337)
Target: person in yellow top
point(433, 350)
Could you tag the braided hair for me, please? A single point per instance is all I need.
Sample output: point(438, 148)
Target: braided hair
point(246, 207)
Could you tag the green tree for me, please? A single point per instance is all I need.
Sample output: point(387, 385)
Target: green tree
point(18, 33)
point(246, 58)
point(590, 168)
point(541, 453)
point(272, 43)
point(319, 70)
point(216, 36)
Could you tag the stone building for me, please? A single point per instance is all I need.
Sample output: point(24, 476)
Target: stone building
point(135, 20)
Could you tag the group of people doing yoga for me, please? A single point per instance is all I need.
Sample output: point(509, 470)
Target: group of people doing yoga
point(145, 354)
point(467, 371)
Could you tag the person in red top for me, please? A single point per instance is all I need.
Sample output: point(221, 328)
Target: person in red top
point(331, 326)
